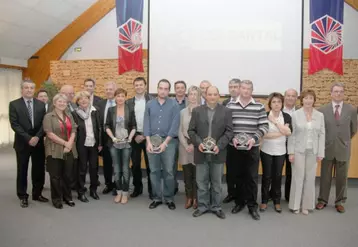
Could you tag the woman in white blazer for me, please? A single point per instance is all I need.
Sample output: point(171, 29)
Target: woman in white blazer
point(305, 148)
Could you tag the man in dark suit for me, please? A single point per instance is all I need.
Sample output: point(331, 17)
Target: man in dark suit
point(26, 116)
point(234, 89)
point(43, 96)
point(137, 104)
point(110, 87)
point(211, 120)
point(90, 86)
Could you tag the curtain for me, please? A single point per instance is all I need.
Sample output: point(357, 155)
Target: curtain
point(10, 89)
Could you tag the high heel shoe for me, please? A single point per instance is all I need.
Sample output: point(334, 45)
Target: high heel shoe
point(118, 197)
point(124, 199)
point(195, 204)
point(188, 203)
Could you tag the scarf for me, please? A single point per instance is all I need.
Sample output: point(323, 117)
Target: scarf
point(83, 114)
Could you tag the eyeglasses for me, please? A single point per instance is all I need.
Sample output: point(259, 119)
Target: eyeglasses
point(338, 92)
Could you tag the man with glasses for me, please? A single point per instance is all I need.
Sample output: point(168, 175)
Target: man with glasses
point(341, 125)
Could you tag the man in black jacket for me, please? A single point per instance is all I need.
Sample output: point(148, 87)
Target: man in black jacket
point(137, 104)
point(26, 116)
point(210, 121)
point(90, 86)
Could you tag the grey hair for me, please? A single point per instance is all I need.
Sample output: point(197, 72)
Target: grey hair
point(235, 81)
point(247, 82)
point(59, 96)
point(111, 83)
point(206, 81)
point(198, 90)
point(337, 84)
point(26, 81)
point(291, 89)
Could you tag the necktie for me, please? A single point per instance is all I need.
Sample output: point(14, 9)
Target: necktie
point(336, 113)
point(29, 109)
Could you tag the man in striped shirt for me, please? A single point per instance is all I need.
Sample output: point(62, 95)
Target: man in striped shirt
point(248, 117)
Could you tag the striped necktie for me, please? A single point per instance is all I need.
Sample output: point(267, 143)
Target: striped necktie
point(29, 109)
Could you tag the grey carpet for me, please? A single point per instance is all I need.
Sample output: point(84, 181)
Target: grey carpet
point(103, 223)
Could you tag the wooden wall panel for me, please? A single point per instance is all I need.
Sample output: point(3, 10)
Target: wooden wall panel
point(39, 68)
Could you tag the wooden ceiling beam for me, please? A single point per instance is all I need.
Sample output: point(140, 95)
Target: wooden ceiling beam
point(353, 3)
point(39, 64)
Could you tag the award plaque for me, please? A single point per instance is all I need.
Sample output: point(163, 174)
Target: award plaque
point(156, 141)
point(209, 144)
point(121, 136)
point(242, 140)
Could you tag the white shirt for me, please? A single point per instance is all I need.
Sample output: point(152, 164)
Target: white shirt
point(339, 108)
point(139, 109)
point(275, 146)
point(46, 107)
point(289, 111)
point(238, 100)
point(90, 140)
point(110, 103)
point(309, 144)
point(203, 101)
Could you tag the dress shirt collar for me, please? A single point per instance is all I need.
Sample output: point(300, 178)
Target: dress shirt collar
point(238, 100)
point(27, 99)
point(334, 104)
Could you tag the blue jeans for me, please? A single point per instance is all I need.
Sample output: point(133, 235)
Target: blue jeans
point(209, 178)
point(163, 161)
point(120, 159)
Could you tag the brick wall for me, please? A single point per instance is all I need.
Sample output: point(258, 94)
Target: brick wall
point(74, 72)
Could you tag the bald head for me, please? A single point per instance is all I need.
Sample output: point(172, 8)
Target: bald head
point(68, 91)
point(212, 95)
point(203, 87)
point(290, 98)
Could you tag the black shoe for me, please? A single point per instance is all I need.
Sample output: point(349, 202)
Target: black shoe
point(40, 198)
point(114, 191)
point(171, 205)
point(254, 214)
point(70, 203)
point(151, 196)
point(98, 183)
point(24, 203)
point(228, 199)
point(106, 190)
point(136, 193)
point(237, 209)
point(155, 204)
point(58, 205)
point(198, 213)
point(82, 198)
point(94, 195)
point(176, 190)
point(220, 214)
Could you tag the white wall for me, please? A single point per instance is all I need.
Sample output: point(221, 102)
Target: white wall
point(100, 42)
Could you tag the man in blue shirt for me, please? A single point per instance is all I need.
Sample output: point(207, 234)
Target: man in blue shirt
point(161, 119)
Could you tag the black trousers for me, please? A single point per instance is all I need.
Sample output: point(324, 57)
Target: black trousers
point(107, 166)
point(231, 167)
point(37, 155)
point(271, 177)
point(61, 172)
point(246, 177)
point(288, 178)
point(87, 156)
point(191, 187)
point(136, 157)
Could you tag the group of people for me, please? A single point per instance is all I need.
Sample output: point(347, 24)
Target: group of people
point(194, 129)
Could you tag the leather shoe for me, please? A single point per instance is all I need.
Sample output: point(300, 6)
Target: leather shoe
point(198, 213)
point(136, 193)
point(237, 209)
point(106, 190)
point(320, 206)
point(278, 208)
point(24, 203)
point(195, 204)
point(171, 205)
point(70, 203)
point(82, 198)
point(220, 214)
point(151, 196)
point(228, 199)
point(58, 205)
point(40, 198)
point(155, 204)
point(94, 195)
point(254, 214)
point(188, 203)
point(263, 207)
point(340, 209)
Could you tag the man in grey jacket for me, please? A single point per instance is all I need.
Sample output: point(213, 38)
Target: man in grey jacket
point(341, 126)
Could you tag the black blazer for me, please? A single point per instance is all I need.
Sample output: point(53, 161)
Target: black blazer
point(129, 121)
point(225, 102)
point(286, 118)
point(221, 131)
point(96, 101)
point(131, 103)
point(21, 123)
point(81, 129)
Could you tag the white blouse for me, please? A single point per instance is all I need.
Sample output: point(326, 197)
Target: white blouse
point(275, 146)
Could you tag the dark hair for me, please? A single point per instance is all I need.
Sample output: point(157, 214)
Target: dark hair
point(275, 95)
point(90, 79)
point(166, 81)
point(140, 79)
point(307, 92)
point(41, 91)
point(180, 82)
point(119, 91)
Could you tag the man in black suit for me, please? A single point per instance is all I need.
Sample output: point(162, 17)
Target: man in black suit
point(43, 96)
point(234, 89)
point(215, 121)
point(110, 87)
point(26, 116)
point(69, 91)
point(90, 86)
point(137, 104)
